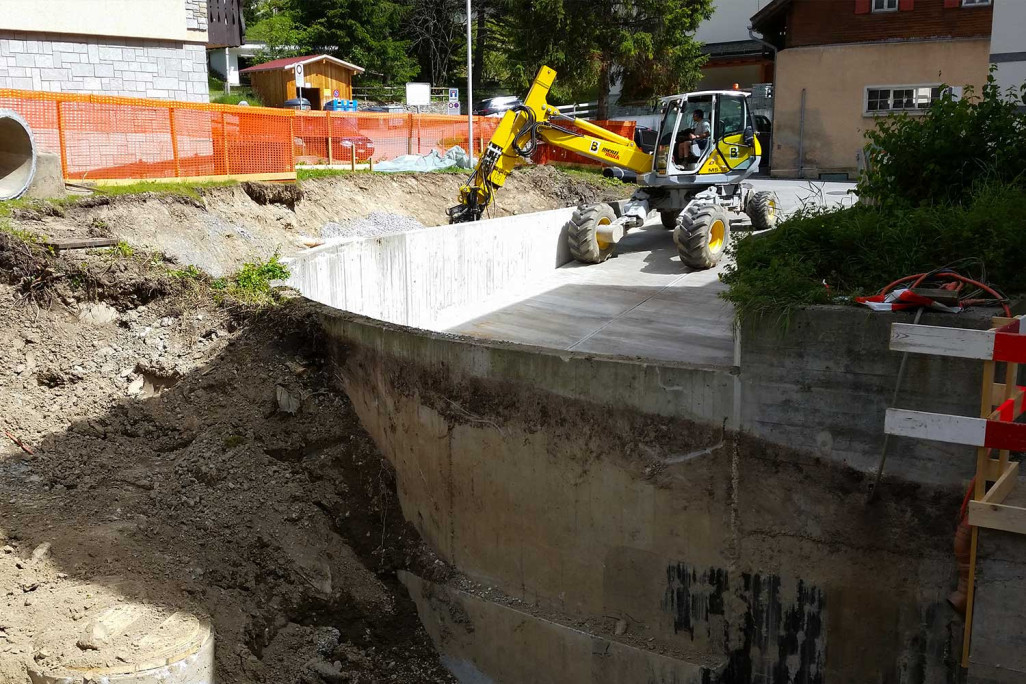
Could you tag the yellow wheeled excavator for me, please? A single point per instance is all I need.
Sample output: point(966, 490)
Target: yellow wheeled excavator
point(706, 147)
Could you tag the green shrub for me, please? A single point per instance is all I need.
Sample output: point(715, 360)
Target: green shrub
point(190, 272)
point(252, 284)
point(862, 249)
point(122, 249)
point(937, 157)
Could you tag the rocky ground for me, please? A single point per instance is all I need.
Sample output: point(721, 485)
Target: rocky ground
point(169, 455)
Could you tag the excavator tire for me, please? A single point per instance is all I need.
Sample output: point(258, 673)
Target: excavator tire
point(669, 218)
point(762, 209)
point(582, 233)
point(701, 235)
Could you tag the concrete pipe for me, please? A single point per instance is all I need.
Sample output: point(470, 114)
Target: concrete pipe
point(17, 155)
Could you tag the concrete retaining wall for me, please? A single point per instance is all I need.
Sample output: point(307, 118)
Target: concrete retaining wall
point(416, 277)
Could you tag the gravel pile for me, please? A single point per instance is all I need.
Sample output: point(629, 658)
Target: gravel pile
point(374, 224)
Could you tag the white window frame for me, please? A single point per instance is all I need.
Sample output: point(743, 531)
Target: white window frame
point(976, 3)
point(891, 88)
point(885, 8)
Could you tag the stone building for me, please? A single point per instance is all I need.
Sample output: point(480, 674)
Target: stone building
point(132, 48)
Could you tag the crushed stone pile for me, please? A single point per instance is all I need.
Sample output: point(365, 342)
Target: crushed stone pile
point(373, 224)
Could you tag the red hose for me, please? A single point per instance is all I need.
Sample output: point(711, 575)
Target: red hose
point(951, 275)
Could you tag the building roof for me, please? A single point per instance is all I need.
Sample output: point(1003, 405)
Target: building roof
point(289, 63)
point(735, 48)
point(768, 11)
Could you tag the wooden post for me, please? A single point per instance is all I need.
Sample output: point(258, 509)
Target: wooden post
point(331, 157)
point(371, 163)
point(62, 139)
point(224, 143)
point(979, 489)
point(352, 158)
point(409, 135)
point(174, 141)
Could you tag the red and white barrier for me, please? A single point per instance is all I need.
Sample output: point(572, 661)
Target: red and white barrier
point(939, 427)
point(1007, 343)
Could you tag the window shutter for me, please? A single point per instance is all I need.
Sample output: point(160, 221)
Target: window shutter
point(952, 3)
point(906, 5)
point(862, 6)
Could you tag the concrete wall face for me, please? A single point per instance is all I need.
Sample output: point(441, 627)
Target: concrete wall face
point(103, 66)
point(168, 20)
point(835, 78)
point(752, 562)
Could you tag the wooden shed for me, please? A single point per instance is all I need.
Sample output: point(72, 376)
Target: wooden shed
point(275, 82)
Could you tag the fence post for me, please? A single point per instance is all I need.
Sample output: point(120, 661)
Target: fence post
point(63, 141)
point(174, 141)
point(409, 135)
point(331, 158)
point(224, 142)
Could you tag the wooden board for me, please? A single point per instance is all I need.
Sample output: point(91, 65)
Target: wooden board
point(1004, 485)
point(997, 517)
point(928, 339)
point(80, 243)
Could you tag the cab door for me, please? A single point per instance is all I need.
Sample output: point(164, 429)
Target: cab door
point(736, 142)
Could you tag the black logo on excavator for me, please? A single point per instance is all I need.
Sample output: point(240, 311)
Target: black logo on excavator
point(594, 145)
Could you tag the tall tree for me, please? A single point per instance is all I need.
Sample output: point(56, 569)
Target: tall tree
point(592, 44)
point(436, 28)
point(365, 32)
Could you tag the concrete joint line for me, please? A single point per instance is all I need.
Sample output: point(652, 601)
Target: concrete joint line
point(681, 458)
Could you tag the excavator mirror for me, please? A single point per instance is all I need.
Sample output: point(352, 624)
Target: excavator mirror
point(749, 138)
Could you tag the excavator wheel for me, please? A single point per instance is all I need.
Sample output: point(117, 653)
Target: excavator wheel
point(669, 218)
point(762, 209)
point(701, 235)
point(582, 233)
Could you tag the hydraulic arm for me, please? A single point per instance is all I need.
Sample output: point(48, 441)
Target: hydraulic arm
point(518, 135)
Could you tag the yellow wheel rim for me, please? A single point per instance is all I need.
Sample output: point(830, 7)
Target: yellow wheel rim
point(717, 232)
point(772, 208)
point(598, 237)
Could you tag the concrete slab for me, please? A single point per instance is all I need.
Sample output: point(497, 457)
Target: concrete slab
point(643, 302)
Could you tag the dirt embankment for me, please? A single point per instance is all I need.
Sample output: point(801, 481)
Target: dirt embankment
point(228, 226)
point(187, 458)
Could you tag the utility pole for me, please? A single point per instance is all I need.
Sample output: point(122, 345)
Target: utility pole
point(470, 90)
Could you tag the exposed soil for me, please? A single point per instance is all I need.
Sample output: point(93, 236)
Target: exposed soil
point(189, 459)
point(231, 225)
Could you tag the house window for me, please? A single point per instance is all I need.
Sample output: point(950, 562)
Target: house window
point(886, 5)
point(974, 3)
point(906, 98)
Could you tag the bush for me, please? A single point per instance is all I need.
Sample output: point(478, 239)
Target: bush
point(816, 256)
point(937, 157)
point(252, 284)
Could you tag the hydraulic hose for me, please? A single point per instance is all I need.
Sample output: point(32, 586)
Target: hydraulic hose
point(530, 129)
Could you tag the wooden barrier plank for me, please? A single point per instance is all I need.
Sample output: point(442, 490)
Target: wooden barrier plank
point(996, 516)
point(929, 339)
point(937, 427)
point(1004, 485)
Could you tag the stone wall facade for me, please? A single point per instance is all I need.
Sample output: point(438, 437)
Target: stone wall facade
point(107, 66)
point(196, 15)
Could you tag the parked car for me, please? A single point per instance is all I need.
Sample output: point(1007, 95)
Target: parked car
point(387, 109)
point(497, 106)
point(342, 148)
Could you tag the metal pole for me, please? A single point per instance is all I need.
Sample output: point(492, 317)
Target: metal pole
point(801, 138)
point(470, 90)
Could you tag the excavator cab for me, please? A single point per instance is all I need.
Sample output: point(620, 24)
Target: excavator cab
point(694, 180)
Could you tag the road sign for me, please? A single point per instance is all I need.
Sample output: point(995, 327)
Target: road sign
point(299, 75)
point(454, 107)
point(418, 94)
point(336, 94)
point(454, 94)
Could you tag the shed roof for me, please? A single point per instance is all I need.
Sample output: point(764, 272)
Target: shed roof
point(289, 63)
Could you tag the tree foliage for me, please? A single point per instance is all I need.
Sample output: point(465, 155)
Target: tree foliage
point(592, 44)
point(938, 156)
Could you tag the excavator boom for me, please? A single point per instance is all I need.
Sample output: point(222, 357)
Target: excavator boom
point(518, 135)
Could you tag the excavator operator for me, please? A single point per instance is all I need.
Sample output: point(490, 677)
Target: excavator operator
point(697, 134)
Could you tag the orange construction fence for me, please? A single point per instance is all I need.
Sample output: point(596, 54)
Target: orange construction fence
point(114, 138)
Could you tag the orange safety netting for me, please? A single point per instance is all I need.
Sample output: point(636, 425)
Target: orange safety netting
point(100, 137)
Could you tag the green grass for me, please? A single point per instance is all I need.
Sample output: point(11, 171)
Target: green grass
point(122, 250)
point(858, 251)
point(19, 233)
point(190, 272)
point(594, 177)
point(191, 190)
point(303, 174)
point(251, 286)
